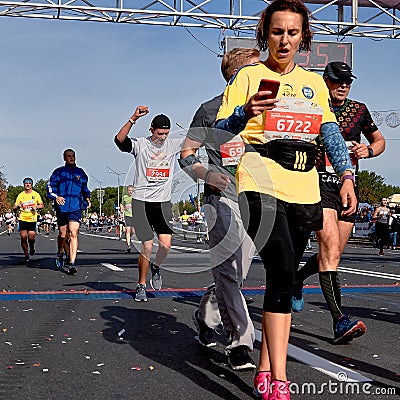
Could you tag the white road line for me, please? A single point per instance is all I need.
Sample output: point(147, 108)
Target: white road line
point(321, 364)
point(192, 249)
point(111, 266)
point(382, 275)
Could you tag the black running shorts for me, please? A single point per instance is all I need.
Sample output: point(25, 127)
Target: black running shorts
point(151, 216)
point(331, 199)
point(26, 226)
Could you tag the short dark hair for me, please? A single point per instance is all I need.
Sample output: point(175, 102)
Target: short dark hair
point(65, 152)
point(235, 59)
point(295, 6)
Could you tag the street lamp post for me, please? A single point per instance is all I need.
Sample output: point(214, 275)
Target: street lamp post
point(111, 171)
point(100, 197)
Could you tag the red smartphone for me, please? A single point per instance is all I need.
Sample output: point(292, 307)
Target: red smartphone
point(271, 85)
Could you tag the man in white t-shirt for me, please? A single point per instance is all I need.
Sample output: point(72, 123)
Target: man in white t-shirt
point(48, 219)
point(151, 198)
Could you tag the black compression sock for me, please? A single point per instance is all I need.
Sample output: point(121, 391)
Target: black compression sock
point(330, 286)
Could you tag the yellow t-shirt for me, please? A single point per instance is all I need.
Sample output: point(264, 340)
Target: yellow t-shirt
point(28, 200)
point(303, 106)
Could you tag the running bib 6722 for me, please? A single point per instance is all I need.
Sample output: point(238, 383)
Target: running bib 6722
point(293, 118)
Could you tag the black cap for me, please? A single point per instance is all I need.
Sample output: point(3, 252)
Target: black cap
point(161, 121)
point(338, 71)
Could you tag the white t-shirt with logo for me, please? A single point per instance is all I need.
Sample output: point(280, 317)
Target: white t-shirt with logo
point(154, 171)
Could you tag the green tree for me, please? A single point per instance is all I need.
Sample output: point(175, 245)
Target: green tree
point(40, 187)
point(13, 192)
point(372, 187)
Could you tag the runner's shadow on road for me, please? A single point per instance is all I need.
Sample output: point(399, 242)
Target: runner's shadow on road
point(382, 315)
point(161, 339)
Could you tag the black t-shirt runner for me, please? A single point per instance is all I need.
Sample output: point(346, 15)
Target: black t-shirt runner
point(354, 119)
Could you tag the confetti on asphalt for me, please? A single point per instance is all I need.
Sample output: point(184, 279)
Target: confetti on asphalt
point(9, 343)
point(96, 372)
point(87, 357)
point(121, 332)
point(137, 368)
point(4, 330)
point(221, 375)
point(36, 365)
point(151, 368)
point(100, 365)
point(45, 370)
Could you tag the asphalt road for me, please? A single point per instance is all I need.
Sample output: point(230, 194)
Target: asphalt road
point(83, 337)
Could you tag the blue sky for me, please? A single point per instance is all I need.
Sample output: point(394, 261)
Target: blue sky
point(73, 84)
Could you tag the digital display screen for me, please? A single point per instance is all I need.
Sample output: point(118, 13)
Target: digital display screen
point(321, 53)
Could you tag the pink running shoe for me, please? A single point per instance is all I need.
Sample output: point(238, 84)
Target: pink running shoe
point(279, 390)
point(262, 382)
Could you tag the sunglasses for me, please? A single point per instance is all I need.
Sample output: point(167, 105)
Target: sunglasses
point(341, 81)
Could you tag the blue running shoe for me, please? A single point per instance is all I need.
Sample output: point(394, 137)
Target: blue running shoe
point(345, 330)
point(59, 261)
point(297, 304)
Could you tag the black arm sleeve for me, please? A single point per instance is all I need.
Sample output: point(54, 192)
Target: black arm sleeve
point(125, 146)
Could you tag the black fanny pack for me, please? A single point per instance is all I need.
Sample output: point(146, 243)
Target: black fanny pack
point(295, 155)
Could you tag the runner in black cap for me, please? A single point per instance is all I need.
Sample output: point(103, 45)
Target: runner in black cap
point(354, 119)
point(151, 197)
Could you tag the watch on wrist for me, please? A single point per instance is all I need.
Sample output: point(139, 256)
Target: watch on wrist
point(370, 152)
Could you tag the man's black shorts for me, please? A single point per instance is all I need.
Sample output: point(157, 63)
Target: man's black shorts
point(331, 199)
point(128, 221)
point(26, 226)
point(149, 216)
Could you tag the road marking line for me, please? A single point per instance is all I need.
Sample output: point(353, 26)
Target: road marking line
point(382, 275)
point(321, 364)
point(192, 249)
point(111, 266)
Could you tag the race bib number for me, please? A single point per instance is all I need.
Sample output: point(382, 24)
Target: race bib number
point(293, 118)
point(157, 174)
point(353, 159)
point(157, 171)
point(27, 205)
point(232, 151)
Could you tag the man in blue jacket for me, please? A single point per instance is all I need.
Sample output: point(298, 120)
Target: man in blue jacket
point(68, 189)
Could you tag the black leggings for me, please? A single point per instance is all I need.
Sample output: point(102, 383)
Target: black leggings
point(382, 233)
point(280, 232)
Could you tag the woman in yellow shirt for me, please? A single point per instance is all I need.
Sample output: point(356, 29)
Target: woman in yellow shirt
point(277, 180)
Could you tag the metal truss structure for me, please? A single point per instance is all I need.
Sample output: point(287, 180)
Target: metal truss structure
point(357, 18)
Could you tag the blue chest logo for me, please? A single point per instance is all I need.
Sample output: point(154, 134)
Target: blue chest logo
point(308, 93)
